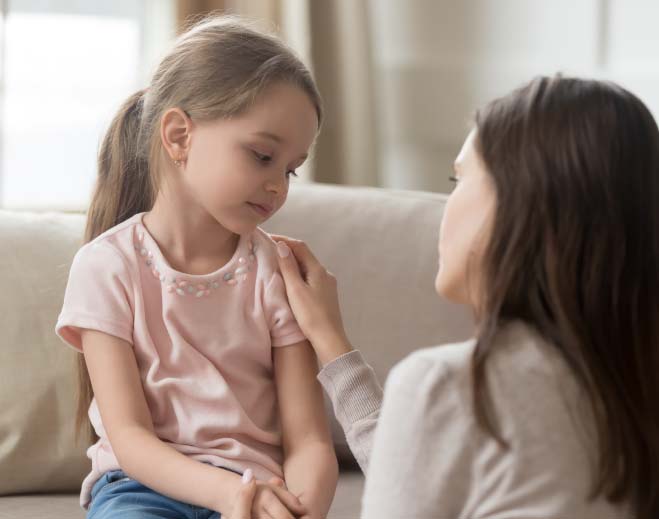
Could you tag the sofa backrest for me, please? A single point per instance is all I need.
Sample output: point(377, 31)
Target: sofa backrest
point(380, 244)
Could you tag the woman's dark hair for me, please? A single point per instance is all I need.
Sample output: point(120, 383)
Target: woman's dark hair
point(574, 253)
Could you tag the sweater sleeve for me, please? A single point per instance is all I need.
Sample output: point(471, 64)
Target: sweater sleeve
point(421, 460)
point(356, 397)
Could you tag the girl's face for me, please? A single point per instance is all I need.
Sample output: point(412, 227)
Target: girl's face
point(238, 169)
point(465, 228)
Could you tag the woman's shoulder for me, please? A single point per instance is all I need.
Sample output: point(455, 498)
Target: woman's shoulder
point(520, 358)
point(434, 377)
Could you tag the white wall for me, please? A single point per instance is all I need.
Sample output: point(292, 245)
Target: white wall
point(437, 61)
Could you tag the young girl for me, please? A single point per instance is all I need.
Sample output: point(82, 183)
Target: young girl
point(198, 369)
point(551, 237)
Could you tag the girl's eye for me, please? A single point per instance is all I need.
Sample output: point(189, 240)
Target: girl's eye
point(262, 157)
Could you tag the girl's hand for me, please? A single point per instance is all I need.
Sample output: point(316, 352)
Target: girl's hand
point(313, 296)
point(242, 508)
point(270, 499)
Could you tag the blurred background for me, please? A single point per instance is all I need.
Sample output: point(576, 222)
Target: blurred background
point(401, 79)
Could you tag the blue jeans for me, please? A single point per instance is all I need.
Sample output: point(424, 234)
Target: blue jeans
point(116, 496)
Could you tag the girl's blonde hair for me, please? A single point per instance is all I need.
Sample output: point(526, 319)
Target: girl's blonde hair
point(216, 69)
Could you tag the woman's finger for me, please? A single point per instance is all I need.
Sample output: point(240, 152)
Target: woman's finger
point(243, 507)
point(290, 270)
point(302, 252)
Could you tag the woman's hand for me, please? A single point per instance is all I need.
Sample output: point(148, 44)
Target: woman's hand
point(270, 499)
point(313, 296)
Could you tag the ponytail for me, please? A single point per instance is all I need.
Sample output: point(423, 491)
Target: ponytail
point(123, 189)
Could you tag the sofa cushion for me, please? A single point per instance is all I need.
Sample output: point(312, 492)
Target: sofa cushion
point(37, 451)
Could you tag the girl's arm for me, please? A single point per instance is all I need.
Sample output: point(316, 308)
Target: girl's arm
point(310, 466)
point(141, 454)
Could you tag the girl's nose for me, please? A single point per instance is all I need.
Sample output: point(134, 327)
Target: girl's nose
point(276, 186)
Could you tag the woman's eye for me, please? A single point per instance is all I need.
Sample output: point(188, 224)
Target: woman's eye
point(262, 157)
point(291, 173)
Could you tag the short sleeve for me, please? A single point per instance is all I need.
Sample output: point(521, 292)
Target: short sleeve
point(284, 330)
point(97, 296)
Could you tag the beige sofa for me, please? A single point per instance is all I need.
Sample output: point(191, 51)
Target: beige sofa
point(382, 246)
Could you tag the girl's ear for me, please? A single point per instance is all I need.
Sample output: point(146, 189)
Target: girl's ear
point(175, 132)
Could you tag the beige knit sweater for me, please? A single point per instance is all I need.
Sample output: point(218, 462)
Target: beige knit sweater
point(428, 459)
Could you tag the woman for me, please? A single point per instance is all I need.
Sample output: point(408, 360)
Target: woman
point(551, 237)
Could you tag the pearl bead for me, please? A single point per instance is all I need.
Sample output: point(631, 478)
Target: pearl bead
point(241, 260)
point(240, 270)
point(228, 276)
point(200, 293)
point(180, 291)
point(215, 284)
point(190, 289)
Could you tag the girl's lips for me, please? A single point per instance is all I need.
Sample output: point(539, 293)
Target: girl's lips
point(263, 210)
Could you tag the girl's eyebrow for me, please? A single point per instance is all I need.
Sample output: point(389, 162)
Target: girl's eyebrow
point(270, 136)
point(277, 139)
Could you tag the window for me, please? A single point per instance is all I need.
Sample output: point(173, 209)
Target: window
point(67, 65)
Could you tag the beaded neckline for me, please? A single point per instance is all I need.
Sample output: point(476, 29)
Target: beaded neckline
point(187, 286)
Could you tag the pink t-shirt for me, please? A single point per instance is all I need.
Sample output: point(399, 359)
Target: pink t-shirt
point(203, 344)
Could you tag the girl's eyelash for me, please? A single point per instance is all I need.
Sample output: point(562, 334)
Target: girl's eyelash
point(262, 157)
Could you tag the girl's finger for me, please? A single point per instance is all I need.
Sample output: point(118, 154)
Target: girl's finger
point(278, 482)
point(290, 501)
point(243, 507)
point(277, 510)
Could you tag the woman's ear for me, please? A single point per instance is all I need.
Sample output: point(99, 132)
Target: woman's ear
point(175, 133)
